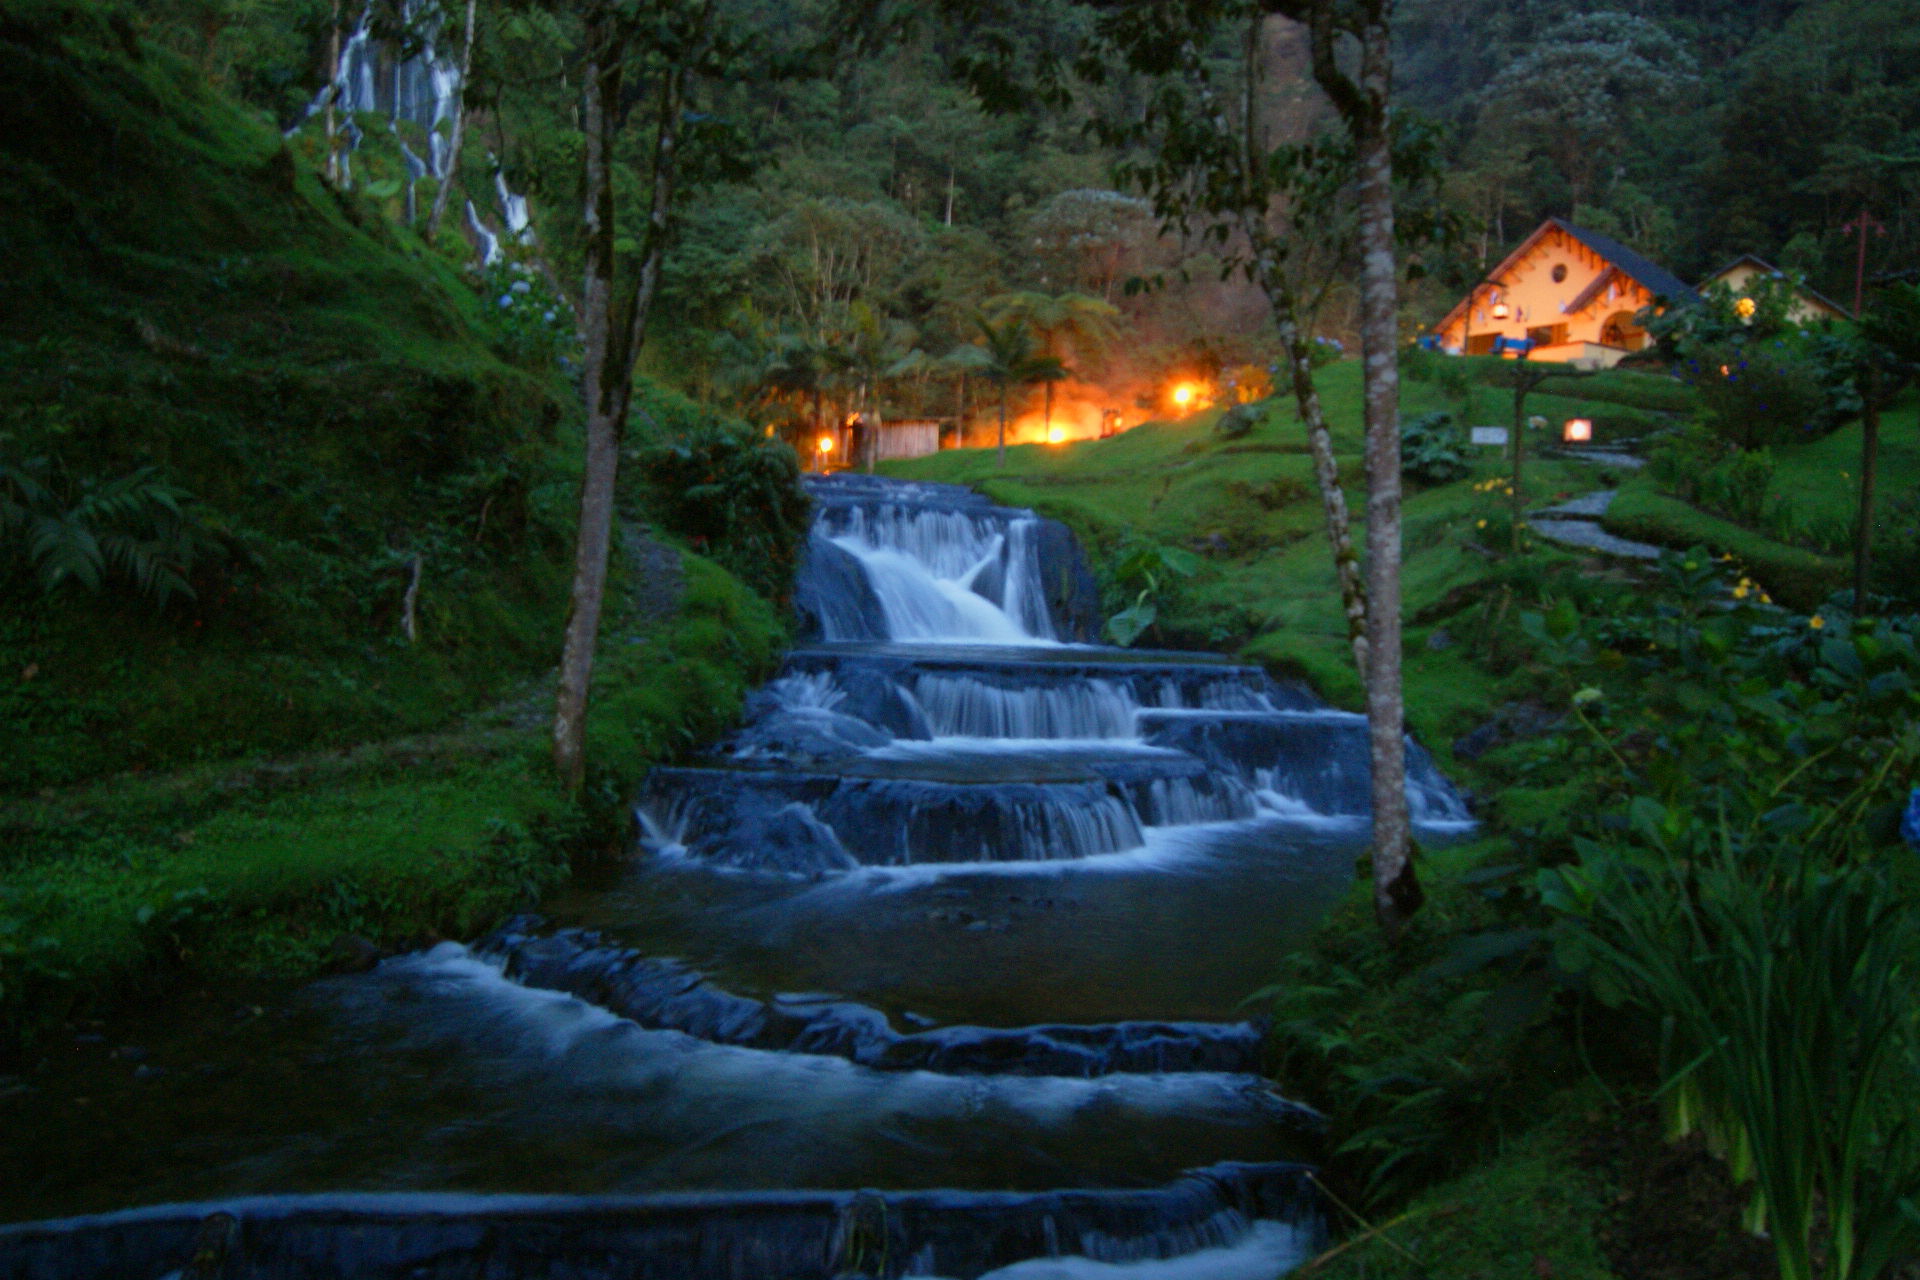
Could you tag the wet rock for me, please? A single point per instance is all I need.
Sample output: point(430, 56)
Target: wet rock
point(351, 953)
point(1512, 722)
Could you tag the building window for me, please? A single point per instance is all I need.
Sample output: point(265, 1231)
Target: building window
point(1559, 272)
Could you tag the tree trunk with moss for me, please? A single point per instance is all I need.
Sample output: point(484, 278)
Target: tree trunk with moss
point(615, 330)
point(457, 139)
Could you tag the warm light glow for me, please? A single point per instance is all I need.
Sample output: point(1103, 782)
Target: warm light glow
point(1726, 371)
point(825, 445)
point(1500, 311)
point(1745, 308)
point(1056, 434)
point(1577, 430)
point(1183, 395)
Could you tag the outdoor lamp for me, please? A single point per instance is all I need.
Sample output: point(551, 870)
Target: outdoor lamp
point(1577, 431)
point(826, 445)
point(1500, 311)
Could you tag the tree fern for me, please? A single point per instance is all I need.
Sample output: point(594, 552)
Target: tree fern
point(134, 527)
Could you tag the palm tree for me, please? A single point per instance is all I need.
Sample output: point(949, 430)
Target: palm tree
point(1064, 322)
point(1008, 357)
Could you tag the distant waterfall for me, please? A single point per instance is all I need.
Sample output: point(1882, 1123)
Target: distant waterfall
point(422, 90)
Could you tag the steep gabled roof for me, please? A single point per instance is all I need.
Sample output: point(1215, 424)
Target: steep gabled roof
point(1655, 279)
point(1763, 265)
point(1651, 276)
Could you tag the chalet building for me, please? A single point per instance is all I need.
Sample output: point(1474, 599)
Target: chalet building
point(1565, 294)
point(1808, 306)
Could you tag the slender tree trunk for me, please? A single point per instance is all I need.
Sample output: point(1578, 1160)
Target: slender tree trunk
point(1396, 891)
point(333, 96)
point(1869, 465)
point(613, 345)
point(1047, 424)
point(455, 140)
point(601, 93)
point(1326, 469)
point(1002, 447)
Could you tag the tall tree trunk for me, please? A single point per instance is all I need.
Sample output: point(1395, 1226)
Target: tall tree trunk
point(1284, 304)
point(1396, 891)
point(613, 345)
point(1047, 423)
point(333, 96)
point(1869, 465)
point(454, 142)
point(1001, 455)
point(601, 97)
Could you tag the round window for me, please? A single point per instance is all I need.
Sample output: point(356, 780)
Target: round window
point(1559, 272)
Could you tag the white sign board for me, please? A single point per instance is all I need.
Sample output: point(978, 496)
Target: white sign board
point(1489, 435)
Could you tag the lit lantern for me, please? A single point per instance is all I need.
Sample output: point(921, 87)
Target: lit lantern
point(1577, 430)
point(1745, 308)
point(1500, 311)
point(1183, 395)
point(1056, 434)
point(825, 445)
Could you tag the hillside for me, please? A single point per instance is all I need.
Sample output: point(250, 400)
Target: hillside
point(185, 309)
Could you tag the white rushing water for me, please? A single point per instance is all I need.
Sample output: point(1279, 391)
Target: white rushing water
point(933, 572)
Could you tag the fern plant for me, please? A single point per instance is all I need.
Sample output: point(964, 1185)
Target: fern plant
point(134, 527)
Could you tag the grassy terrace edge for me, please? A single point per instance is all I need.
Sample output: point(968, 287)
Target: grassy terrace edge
point(283, 869)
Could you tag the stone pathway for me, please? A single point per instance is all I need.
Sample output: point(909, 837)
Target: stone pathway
point(1603, 457)
point(1577, 524)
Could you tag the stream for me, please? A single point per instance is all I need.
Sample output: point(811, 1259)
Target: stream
point(933, 968)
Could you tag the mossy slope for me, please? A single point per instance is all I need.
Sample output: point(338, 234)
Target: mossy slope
point(179, 294)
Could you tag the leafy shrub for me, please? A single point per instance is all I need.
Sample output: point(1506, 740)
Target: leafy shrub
point(1782, 984)
point(1896, 556)
point(1739, 487)
point(1145, 578)
point(734, 495)
point(1239, 420)
point(532, 323)
point(1754, 396)
point(136, 527)
point(1433, 449)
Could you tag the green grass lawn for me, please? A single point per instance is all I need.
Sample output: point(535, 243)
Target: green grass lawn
point(1249, 507)
point(1804, 554)
point(255, 868)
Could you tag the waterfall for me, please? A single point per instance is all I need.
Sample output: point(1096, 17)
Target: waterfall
point(422, 90)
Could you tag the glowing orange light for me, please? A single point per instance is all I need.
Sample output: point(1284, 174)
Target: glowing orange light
point(1500, 311)
point(825, 445)
point(1725, 371)
point(1056, 434)
point(1577, 430)
point(1745, 308)
point(1183, 395)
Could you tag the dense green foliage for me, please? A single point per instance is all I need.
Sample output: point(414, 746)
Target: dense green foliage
point(1693, 133)
point(258, 869)
point(185, 311)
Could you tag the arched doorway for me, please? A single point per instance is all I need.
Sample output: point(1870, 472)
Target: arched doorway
point(1621, 331)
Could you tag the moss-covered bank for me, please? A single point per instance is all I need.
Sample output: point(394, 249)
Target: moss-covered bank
point(284, 868)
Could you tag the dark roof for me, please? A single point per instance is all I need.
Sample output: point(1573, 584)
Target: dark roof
point(1772, 270)
point(1656, 279)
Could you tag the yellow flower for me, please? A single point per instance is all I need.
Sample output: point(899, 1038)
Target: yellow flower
point(1479, 524)
point(1740, 592)
point(1816, 622)
point(1765, 598)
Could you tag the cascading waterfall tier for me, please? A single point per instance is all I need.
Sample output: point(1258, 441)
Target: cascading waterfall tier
point(950, 712)
point(1224, 1222)
point(966, 900)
